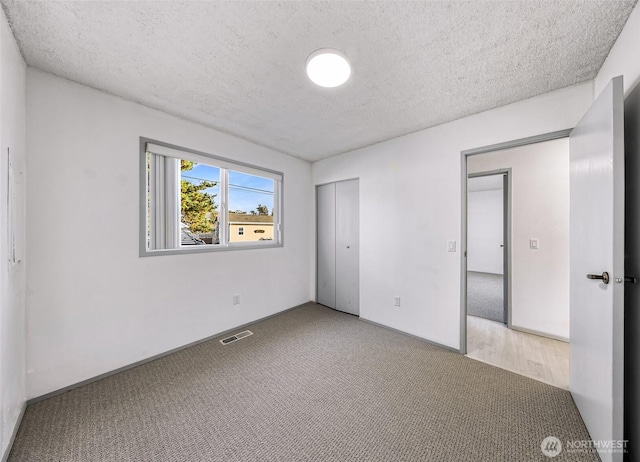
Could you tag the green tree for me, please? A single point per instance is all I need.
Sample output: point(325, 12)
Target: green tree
point(197, 207)
point(262, 209)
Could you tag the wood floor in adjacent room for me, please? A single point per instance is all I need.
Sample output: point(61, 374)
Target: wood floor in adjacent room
point(540, 358)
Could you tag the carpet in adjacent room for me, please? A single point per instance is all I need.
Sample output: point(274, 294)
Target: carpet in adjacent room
point(485, 296)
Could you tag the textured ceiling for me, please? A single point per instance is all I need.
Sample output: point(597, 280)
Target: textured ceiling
point(239, 66)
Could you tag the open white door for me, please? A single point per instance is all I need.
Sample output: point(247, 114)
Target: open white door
point(597, 249)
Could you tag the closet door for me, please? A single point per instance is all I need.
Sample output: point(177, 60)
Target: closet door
point(338, 220)
point(326, 244)
point(347, 247)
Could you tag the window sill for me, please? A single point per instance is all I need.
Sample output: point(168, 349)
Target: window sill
point(209, 248)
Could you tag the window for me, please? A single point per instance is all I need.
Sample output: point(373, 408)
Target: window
point(193, 202)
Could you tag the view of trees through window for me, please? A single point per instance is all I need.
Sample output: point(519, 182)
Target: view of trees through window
point(199, 196)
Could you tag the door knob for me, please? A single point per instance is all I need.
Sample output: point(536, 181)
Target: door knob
point(604, 277)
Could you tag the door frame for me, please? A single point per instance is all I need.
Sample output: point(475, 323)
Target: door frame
point(464, 155)
point(631, 427)
point(506, 233)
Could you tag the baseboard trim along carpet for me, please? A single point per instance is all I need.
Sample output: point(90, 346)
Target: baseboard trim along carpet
point(5, 455)
point(153, 358)
point(417, 337)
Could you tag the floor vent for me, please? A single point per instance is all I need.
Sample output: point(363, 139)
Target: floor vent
point(233, 338)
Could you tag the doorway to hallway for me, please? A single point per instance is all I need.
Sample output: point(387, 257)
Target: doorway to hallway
point(516, 290)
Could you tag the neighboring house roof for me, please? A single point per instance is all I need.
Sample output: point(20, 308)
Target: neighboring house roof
point(248, 218)
point(186, 238)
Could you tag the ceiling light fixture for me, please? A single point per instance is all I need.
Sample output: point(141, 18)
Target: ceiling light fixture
point(328, 68)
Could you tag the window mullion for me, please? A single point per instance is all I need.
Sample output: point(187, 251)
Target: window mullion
point(277, 212)
point(223, 219)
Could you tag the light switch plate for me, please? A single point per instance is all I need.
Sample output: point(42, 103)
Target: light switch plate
point(451, 246)
point(534, 243)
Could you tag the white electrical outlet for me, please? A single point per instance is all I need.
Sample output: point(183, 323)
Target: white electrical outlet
point(396, 301)
point(236, 299)
point(451, 246)
point(534, 243)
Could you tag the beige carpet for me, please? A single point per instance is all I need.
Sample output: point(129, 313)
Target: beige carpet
point(310, 384)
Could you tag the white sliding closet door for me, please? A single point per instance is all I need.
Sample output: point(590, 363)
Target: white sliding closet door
point(326, 224)
point(347, 247)
point(338, 246)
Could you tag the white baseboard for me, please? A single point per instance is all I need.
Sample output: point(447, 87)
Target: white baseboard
point(539, 333)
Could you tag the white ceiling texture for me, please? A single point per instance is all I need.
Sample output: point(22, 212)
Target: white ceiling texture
point(240, 66)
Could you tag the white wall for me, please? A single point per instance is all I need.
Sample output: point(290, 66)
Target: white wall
point(413, 183)
point(12, 276)
point(485, 230)
point(93, 304)
point(539, 209)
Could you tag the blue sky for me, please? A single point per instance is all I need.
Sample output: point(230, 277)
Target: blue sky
point(245, 191)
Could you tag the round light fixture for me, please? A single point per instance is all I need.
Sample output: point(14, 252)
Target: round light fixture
point(328, 68)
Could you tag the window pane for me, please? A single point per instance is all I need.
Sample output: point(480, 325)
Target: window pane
point(251, 202)
point(199, 204)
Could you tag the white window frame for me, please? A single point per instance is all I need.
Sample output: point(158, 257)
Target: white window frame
point(240, 230)
point(164, 200)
